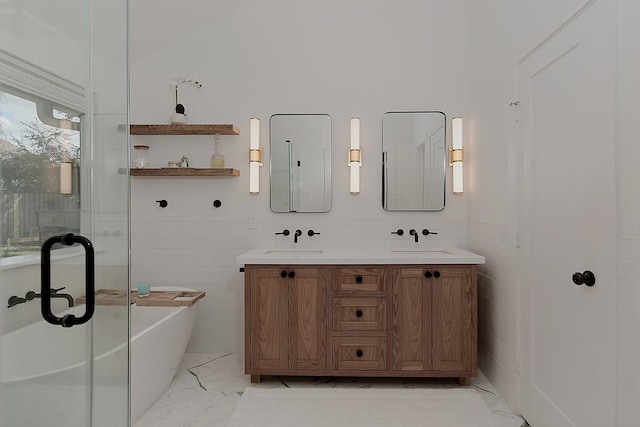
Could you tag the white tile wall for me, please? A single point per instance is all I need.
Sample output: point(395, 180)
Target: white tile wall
point(490, 240)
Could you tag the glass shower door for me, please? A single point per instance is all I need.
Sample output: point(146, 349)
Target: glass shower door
point(63, 104)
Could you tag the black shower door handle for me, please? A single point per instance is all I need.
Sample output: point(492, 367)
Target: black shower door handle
point(67, 320)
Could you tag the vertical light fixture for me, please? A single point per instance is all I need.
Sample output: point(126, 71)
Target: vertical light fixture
point(65, 178)
point(456, 154)
point(255, 156)
point(355, 156)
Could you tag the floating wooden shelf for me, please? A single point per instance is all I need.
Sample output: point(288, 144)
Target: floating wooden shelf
point(195, 129)
point(193, 172)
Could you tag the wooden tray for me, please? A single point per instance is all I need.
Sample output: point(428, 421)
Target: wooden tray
point(167, 298)
point(155, 298)
point(107, 297)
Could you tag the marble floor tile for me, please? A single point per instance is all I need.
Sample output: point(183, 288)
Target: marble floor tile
point(207, 388)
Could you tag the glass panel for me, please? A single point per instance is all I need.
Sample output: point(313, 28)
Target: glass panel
point(75, 75)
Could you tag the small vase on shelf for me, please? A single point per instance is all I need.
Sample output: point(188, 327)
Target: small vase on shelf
point(217, 159)
point(178, 117)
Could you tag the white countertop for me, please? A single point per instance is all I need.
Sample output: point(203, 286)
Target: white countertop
point(340, 254)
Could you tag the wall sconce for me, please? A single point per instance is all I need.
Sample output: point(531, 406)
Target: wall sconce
point(355, 156)
point(66, 178)
point(456, 154)
point(255, 156)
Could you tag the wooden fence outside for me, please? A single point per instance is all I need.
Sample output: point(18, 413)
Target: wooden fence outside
point(30, 218)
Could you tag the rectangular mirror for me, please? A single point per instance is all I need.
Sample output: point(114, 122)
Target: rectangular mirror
point(413, 161)
point(300, 156)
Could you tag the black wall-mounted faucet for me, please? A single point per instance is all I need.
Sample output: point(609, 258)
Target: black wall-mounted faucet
point(284, 232)
point(312, 233)
point(295, 236)
point(15, 300)
point(426, 232)
point(414, 233)
point(53, 293)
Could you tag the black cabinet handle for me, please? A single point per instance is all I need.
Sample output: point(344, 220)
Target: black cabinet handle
point(68, 320)
point(359, 279)
point(359, 353)
point(292, 274)
point(358, 313)
point(586, 278)
point(283, 274)
point(399, 232)
point(427, 274)
point(436, 274)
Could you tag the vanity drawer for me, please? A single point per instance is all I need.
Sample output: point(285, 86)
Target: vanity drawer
point(359, 353)
point(359, 280)
point(359, 314)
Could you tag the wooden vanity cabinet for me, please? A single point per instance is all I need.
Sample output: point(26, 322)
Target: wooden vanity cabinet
point(373, 320)
point(286, 320)
point(435, 320)
point(359, 328)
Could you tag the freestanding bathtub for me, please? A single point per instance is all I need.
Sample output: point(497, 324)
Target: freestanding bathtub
point(41, 355)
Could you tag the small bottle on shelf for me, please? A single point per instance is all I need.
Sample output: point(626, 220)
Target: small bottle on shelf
point(184, 162)
point(217, 159)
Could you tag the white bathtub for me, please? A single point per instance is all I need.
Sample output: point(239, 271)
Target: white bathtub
point(41, 353)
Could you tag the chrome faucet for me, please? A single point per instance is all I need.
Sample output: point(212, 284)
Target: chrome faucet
point(53, 293)
point(295, 236)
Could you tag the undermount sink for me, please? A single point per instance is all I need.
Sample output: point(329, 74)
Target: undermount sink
point(418, 252)
point(294, 253)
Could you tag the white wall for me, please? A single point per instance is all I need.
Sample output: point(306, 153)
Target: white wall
point(344, 58)
point(628, 214)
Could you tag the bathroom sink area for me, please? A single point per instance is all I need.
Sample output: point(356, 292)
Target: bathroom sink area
point(294, 253)
point(418, 252)
point(355, 254)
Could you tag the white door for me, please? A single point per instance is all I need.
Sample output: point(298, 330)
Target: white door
point(568, 224)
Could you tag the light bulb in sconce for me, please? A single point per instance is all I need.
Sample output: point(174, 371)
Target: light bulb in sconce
point(456, 155)
point(255, 156)
point(355, 156)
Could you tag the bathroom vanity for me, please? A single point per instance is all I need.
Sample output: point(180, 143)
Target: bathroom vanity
point(408, 312)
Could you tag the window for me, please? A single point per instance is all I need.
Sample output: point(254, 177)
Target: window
point(39, 171)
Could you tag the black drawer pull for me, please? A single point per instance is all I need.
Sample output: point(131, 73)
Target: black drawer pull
point(358, 313)
point(359, 353)
point(292, 274)
point(427, 274)
point(436, 274)
point(283, 274)
point(359, 279)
